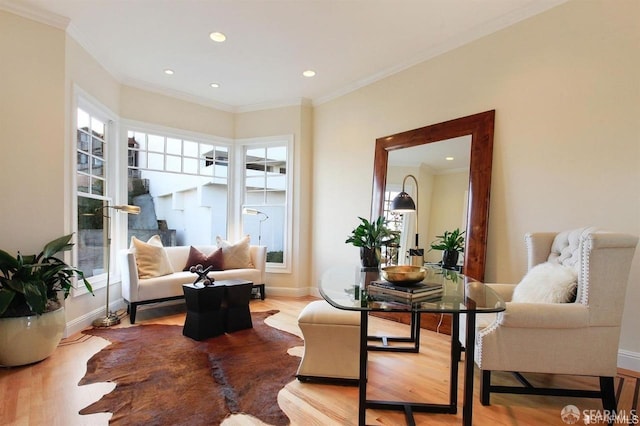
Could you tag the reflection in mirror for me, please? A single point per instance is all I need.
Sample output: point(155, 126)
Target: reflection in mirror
point(479, 129)
point(442, 172)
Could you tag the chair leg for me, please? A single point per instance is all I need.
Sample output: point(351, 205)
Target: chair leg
point(607, 390)
point(485, 387)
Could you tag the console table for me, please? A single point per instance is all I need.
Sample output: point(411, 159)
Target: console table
point(345, 288)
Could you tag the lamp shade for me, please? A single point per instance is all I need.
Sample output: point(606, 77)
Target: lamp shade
point(403, 203)
point(127, 209)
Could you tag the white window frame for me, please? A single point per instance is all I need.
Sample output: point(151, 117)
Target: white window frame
point(239, 187)
point(82, 100)
point(168, 132)
point(183, 135)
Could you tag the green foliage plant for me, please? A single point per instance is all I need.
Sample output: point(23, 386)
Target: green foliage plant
point(371, 235)
point(449, 241)
point(29, 284)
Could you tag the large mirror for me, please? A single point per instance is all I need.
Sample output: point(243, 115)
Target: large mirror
point(461, 186)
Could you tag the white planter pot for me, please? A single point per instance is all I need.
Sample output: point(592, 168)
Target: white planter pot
point(25, 340)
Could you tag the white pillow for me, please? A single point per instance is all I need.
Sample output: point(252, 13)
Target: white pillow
point(547, 282)
point(151, 258)
point(235, 255)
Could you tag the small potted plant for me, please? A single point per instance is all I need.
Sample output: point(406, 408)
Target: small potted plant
point(370, 237)
point(451, 243)
point(32, 317)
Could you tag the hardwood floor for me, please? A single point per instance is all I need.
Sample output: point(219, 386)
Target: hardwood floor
point(46, 393)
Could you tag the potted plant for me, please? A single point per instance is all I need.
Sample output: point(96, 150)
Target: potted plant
point(32, 317)
point(370, 237)
point(451, 243)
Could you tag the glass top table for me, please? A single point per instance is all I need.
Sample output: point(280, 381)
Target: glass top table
point(350, 288)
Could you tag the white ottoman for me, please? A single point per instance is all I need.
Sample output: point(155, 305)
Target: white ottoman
point(331, 344)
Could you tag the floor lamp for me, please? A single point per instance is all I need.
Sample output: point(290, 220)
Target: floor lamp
point(111, 318)
point(403, 203)
point(257, 212)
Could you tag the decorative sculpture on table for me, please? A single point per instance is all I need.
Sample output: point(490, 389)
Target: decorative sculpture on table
point(202, 275)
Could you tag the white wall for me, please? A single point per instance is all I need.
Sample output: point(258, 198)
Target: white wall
point(565, 88)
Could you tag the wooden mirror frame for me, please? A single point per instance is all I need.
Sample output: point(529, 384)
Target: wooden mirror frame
point(480, 127)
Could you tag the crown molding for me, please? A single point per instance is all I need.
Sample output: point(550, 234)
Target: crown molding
point(272, 105)
point(187, 97)
point(177, 94)
point(89, 47)
point(35, 14)
point(61, 22)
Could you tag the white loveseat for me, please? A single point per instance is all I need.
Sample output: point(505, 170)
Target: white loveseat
point(137, 291)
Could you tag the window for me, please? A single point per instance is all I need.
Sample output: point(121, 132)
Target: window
point(266, 204)
point(174, 155)
point(92, 186)
point(181, 183)
point(184, 178)
point(395, 222)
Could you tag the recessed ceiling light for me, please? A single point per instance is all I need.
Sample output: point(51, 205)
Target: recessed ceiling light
point(217, 37)
point(214, 85)
point(168, 71)
point(309, 73)
point(448, 158)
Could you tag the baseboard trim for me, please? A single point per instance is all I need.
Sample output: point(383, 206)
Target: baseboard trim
point(628, 360)
point(287, 291)
point(85, 321)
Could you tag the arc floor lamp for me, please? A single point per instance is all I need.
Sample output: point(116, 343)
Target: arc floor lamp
point(262, 219)
point(111, 318)
point(403, 203)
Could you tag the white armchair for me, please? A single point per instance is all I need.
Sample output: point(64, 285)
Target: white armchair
point(575, 338)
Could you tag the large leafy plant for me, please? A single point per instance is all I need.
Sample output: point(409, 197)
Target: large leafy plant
point(449, 241)
point(372, 234)
point(29, 284)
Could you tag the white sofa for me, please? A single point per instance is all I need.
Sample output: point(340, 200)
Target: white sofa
point(138, 291)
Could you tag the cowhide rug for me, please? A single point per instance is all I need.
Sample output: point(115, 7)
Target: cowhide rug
point(165, 378)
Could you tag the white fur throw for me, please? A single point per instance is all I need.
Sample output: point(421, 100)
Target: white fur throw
point(547, 282)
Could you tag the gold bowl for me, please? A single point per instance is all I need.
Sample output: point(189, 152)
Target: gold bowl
point(404, 274)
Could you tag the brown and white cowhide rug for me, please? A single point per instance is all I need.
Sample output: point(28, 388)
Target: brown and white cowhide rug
point(165, 378)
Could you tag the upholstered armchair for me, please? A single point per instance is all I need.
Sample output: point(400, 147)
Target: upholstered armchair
point(575, 336)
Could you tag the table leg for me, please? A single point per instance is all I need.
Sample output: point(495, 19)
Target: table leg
point(362, 385)
point(455, 359)
point(469, 361)
point(416, 330)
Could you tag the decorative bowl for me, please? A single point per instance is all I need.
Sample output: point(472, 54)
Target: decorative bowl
point(404, 274)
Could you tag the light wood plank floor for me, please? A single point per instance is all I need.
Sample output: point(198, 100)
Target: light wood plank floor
point(47, 393)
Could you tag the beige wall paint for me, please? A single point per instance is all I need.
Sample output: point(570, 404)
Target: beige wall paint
point(447, 208)
point(154, 108)
point(32, 134)
point(296, 121)
point(86, 73)
point(564, 85)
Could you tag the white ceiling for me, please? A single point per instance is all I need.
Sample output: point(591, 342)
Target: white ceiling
point(349, 43)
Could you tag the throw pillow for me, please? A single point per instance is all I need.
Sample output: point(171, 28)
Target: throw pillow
point(151, 258)
point(196, 257)
point(547, 282)
point(236, 255)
